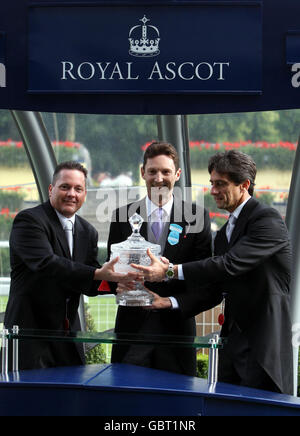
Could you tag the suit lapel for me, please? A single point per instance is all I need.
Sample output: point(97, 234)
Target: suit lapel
point(242, 220)
point(58, 229)
point(221, 244)
point(80, 239)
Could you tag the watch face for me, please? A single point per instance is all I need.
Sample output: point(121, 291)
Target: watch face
point(170, 273)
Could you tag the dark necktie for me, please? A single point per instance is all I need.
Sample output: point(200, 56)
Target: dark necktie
point(230, 226)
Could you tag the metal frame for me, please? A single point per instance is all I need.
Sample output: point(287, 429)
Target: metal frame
point(174, 129)
point(38, 148)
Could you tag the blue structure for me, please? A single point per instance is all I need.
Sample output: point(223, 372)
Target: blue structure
point(127, 390)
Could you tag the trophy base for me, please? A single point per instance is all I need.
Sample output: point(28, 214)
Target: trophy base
point(134, 298)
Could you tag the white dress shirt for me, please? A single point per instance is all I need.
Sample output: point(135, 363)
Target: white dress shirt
point(63, 219)
point(236, 214)
point(151, 208)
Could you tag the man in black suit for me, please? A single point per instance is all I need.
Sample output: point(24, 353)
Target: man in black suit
point(251, 270)
point(48, 275)
point(192, 242)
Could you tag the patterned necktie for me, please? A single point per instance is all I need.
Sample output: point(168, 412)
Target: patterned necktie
point(157, 225)
point(230, 226)
point(68, 228)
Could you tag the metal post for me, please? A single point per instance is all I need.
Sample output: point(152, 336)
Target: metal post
point(15, 362)
point(292, 221)
point(4, 370)
point(213, 361)
point(174, 129)
point(38, 148)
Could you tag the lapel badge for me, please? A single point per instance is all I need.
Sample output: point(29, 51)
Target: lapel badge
point(174, 234)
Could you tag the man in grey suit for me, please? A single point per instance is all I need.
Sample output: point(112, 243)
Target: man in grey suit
point(193, 241)
point(251, 271)
point(48, 274)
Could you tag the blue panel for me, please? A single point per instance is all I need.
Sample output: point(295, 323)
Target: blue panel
point(2, 61)
point(2, 48)
point(278, 84)
point(127, 390)
point(164, 48)
point(293, 47)
point(64, 376)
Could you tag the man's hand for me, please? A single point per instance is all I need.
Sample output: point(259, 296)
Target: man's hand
point(156, 272)
point(108, 273)
point(158, 302)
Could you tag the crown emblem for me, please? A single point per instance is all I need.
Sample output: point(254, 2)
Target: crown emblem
point(144, 40)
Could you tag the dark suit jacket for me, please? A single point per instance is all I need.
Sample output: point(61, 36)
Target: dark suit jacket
point(191, 246)
point(254, 269)
point(46, 284)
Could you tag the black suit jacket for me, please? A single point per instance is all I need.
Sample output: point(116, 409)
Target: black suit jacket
point(254, 270)
point(191, 246)
point(46, 283)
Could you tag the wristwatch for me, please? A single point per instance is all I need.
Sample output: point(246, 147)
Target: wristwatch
point(170, 272)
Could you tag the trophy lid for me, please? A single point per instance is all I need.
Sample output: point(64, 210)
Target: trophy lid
point(136, 240)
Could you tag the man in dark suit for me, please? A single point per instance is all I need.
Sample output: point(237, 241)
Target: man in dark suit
point(48, 274)
point(160, 171)
point(251, 270)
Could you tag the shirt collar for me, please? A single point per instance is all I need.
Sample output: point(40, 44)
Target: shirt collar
point(151, 207)
point(238, 210)
point(63, 218)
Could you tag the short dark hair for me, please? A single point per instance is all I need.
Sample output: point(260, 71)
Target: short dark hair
point(157, 148)
point(236, 165)
point(68, 165)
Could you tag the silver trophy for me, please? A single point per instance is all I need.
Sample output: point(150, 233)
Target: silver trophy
point(134, 250)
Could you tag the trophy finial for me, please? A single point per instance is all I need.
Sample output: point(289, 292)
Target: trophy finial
point(136, 222)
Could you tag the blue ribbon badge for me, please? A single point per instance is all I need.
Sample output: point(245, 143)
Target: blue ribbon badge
point(174, 234)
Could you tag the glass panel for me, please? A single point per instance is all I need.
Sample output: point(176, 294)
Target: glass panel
point(114, 338)
point(17, 191)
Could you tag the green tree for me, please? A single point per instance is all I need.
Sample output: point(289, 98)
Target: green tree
point(288, 125)
point(254, 126)
point(115, 141)
point(8, 128)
